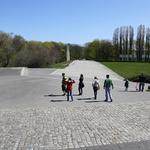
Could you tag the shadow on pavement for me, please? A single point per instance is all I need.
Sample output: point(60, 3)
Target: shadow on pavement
point(128, 91)
point(95, 101)
point(53, 95)
point(57, 100)
point(85, 98)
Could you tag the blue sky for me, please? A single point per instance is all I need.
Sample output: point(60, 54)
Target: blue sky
point(71, 21)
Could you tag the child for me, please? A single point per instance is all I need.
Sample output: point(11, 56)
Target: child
point(126, 84)
point(136, 86)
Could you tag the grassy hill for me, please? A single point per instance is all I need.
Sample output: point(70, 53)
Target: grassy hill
point(130, 70)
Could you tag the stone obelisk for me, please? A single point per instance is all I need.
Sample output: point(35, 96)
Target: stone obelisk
point(68, 53)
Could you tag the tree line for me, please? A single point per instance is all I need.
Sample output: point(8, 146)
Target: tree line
point(122, 47)
point(15, 51)
point(128, 49)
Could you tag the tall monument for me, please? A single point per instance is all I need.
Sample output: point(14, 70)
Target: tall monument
point(68, 53)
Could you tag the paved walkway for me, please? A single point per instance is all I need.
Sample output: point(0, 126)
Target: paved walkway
point(51, 123)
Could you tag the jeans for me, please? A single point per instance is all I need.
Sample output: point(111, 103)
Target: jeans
point(69, 93)
point(108, 93)
point(141, 86)
point(95, 92)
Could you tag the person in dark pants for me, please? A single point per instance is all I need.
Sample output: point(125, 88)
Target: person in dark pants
point(142, 80)
point(63, 84)
point(96, 86)
point(81, 84)
point(126, 84)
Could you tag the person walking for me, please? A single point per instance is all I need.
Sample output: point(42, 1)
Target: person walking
point(96, 86)
point(69, 88)
point(63, 84)
point(126, 84)
point(142, 80)
point(81, 84)
point(107, 85)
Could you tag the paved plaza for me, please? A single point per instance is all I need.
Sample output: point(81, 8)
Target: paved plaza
point(35, 116)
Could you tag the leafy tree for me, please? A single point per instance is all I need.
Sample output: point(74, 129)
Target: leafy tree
point(6, 49)
point(18, 43)
point(131, 35)
point(92, 50)
point(140, 42)
point(75, 51)
point(148, 44)
point(121, 41)
point(106, 51)
point(116, 43)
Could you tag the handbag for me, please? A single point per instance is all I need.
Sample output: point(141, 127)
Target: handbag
point(83, 84)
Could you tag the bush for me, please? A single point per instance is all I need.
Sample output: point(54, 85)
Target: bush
point(136, 78)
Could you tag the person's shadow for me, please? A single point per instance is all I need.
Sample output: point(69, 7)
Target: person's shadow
point(53, 95)
point(57, 100)
point(90, 100)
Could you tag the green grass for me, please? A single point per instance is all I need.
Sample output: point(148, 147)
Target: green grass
point(59, 65)
point(129, 69)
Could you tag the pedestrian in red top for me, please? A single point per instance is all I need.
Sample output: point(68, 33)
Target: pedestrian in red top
point(69, 88)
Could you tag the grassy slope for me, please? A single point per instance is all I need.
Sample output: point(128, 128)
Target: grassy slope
point(59, 65)
point(128, 69)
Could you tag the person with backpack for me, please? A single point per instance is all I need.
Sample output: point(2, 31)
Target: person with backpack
point(107, 86)
point(96, 86)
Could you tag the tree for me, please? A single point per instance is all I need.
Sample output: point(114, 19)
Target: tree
point(6, 49)
point(148, 44)
point(121, 41)
point(116, 43)
point(18, 43)
point(140, 42)
point(131, 35)
point(90, 52)
point(106, 51)
point(76, 52)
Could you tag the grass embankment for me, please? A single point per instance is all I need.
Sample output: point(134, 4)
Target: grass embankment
point(130, 70)
point(61, 65)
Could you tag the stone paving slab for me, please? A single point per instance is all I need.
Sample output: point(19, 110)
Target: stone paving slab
point(75, 127)
point(33, 121)
point(143, 145)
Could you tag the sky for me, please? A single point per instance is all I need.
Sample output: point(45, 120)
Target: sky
point(71, 21)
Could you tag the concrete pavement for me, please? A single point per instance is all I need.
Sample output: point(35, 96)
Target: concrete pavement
point(35, 115)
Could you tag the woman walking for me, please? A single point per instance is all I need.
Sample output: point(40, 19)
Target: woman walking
point(96, 86)
point(81, 84)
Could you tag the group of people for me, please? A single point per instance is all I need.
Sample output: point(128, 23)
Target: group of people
point(67, 86)
point(108, 84)
point(139, 84)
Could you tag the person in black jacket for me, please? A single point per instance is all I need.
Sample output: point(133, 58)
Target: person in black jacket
point(126, 84)
point(63, 84)
point(142, 80)
point(81, 84)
